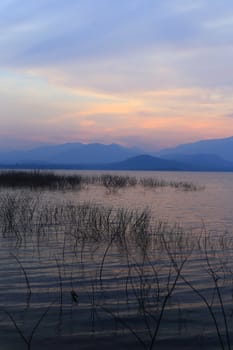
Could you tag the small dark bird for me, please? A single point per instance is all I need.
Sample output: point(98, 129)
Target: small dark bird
point(74, 296)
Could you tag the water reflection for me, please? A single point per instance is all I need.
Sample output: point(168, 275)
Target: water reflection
point(82, 268)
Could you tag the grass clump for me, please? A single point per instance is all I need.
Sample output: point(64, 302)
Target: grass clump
point(39, 180)
point(179, 185)
point(114, 182)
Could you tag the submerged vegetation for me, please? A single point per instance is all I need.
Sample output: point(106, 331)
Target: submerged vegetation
point(182, 185)
point(106, 271)
point(51, 181)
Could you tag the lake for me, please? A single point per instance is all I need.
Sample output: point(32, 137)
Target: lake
point(212, 207)
point(136, 266)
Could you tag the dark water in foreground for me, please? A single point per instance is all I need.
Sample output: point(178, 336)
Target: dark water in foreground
point(78, 278)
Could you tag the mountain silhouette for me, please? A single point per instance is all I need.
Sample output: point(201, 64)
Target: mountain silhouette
point(70, 153)
point(98, 156)
point(222, 148)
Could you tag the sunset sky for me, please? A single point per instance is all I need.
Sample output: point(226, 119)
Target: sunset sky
point(146, 73)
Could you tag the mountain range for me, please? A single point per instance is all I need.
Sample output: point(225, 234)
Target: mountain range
point(222, 148)
point(70, 153)
point(205, 155)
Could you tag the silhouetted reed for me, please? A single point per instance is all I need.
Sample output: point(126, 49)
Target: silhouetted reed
point(28, 339)
point(39, 180)
point(23, 216)
point(114, 182)
point(156, 262)
point(180, 185)
point(54, 181)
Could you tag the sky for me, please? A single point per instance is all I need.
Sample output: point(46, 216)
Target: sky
point(145, 73)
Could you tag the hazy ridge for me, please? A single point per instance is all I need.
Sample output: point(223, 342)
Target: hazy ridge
point(206, 155)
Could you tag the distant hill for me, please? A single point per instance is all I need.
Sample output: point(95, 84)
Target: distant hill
point(222, 148)
point(97, 156)
point(146, 162)
point(70, 153)
point(201, 162)
point(141, 162)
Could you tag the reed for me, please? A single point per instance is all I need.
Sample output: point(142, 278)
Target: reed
point(155, 260)
point(39, 180)
point(114, 182)
point(45, 180)
point(179, 185)
point(28, 339)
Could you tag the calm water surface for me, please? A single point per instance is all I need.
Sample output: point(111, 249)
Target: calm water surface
point(213, 206)
point(121, 287)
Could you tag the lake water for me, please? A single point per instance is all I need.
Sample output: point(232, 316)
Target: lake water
point(212, 207)
point(107, 274)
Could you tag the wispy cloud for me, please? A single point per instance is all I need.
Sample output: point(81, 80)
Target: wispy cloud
point(142, 69)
